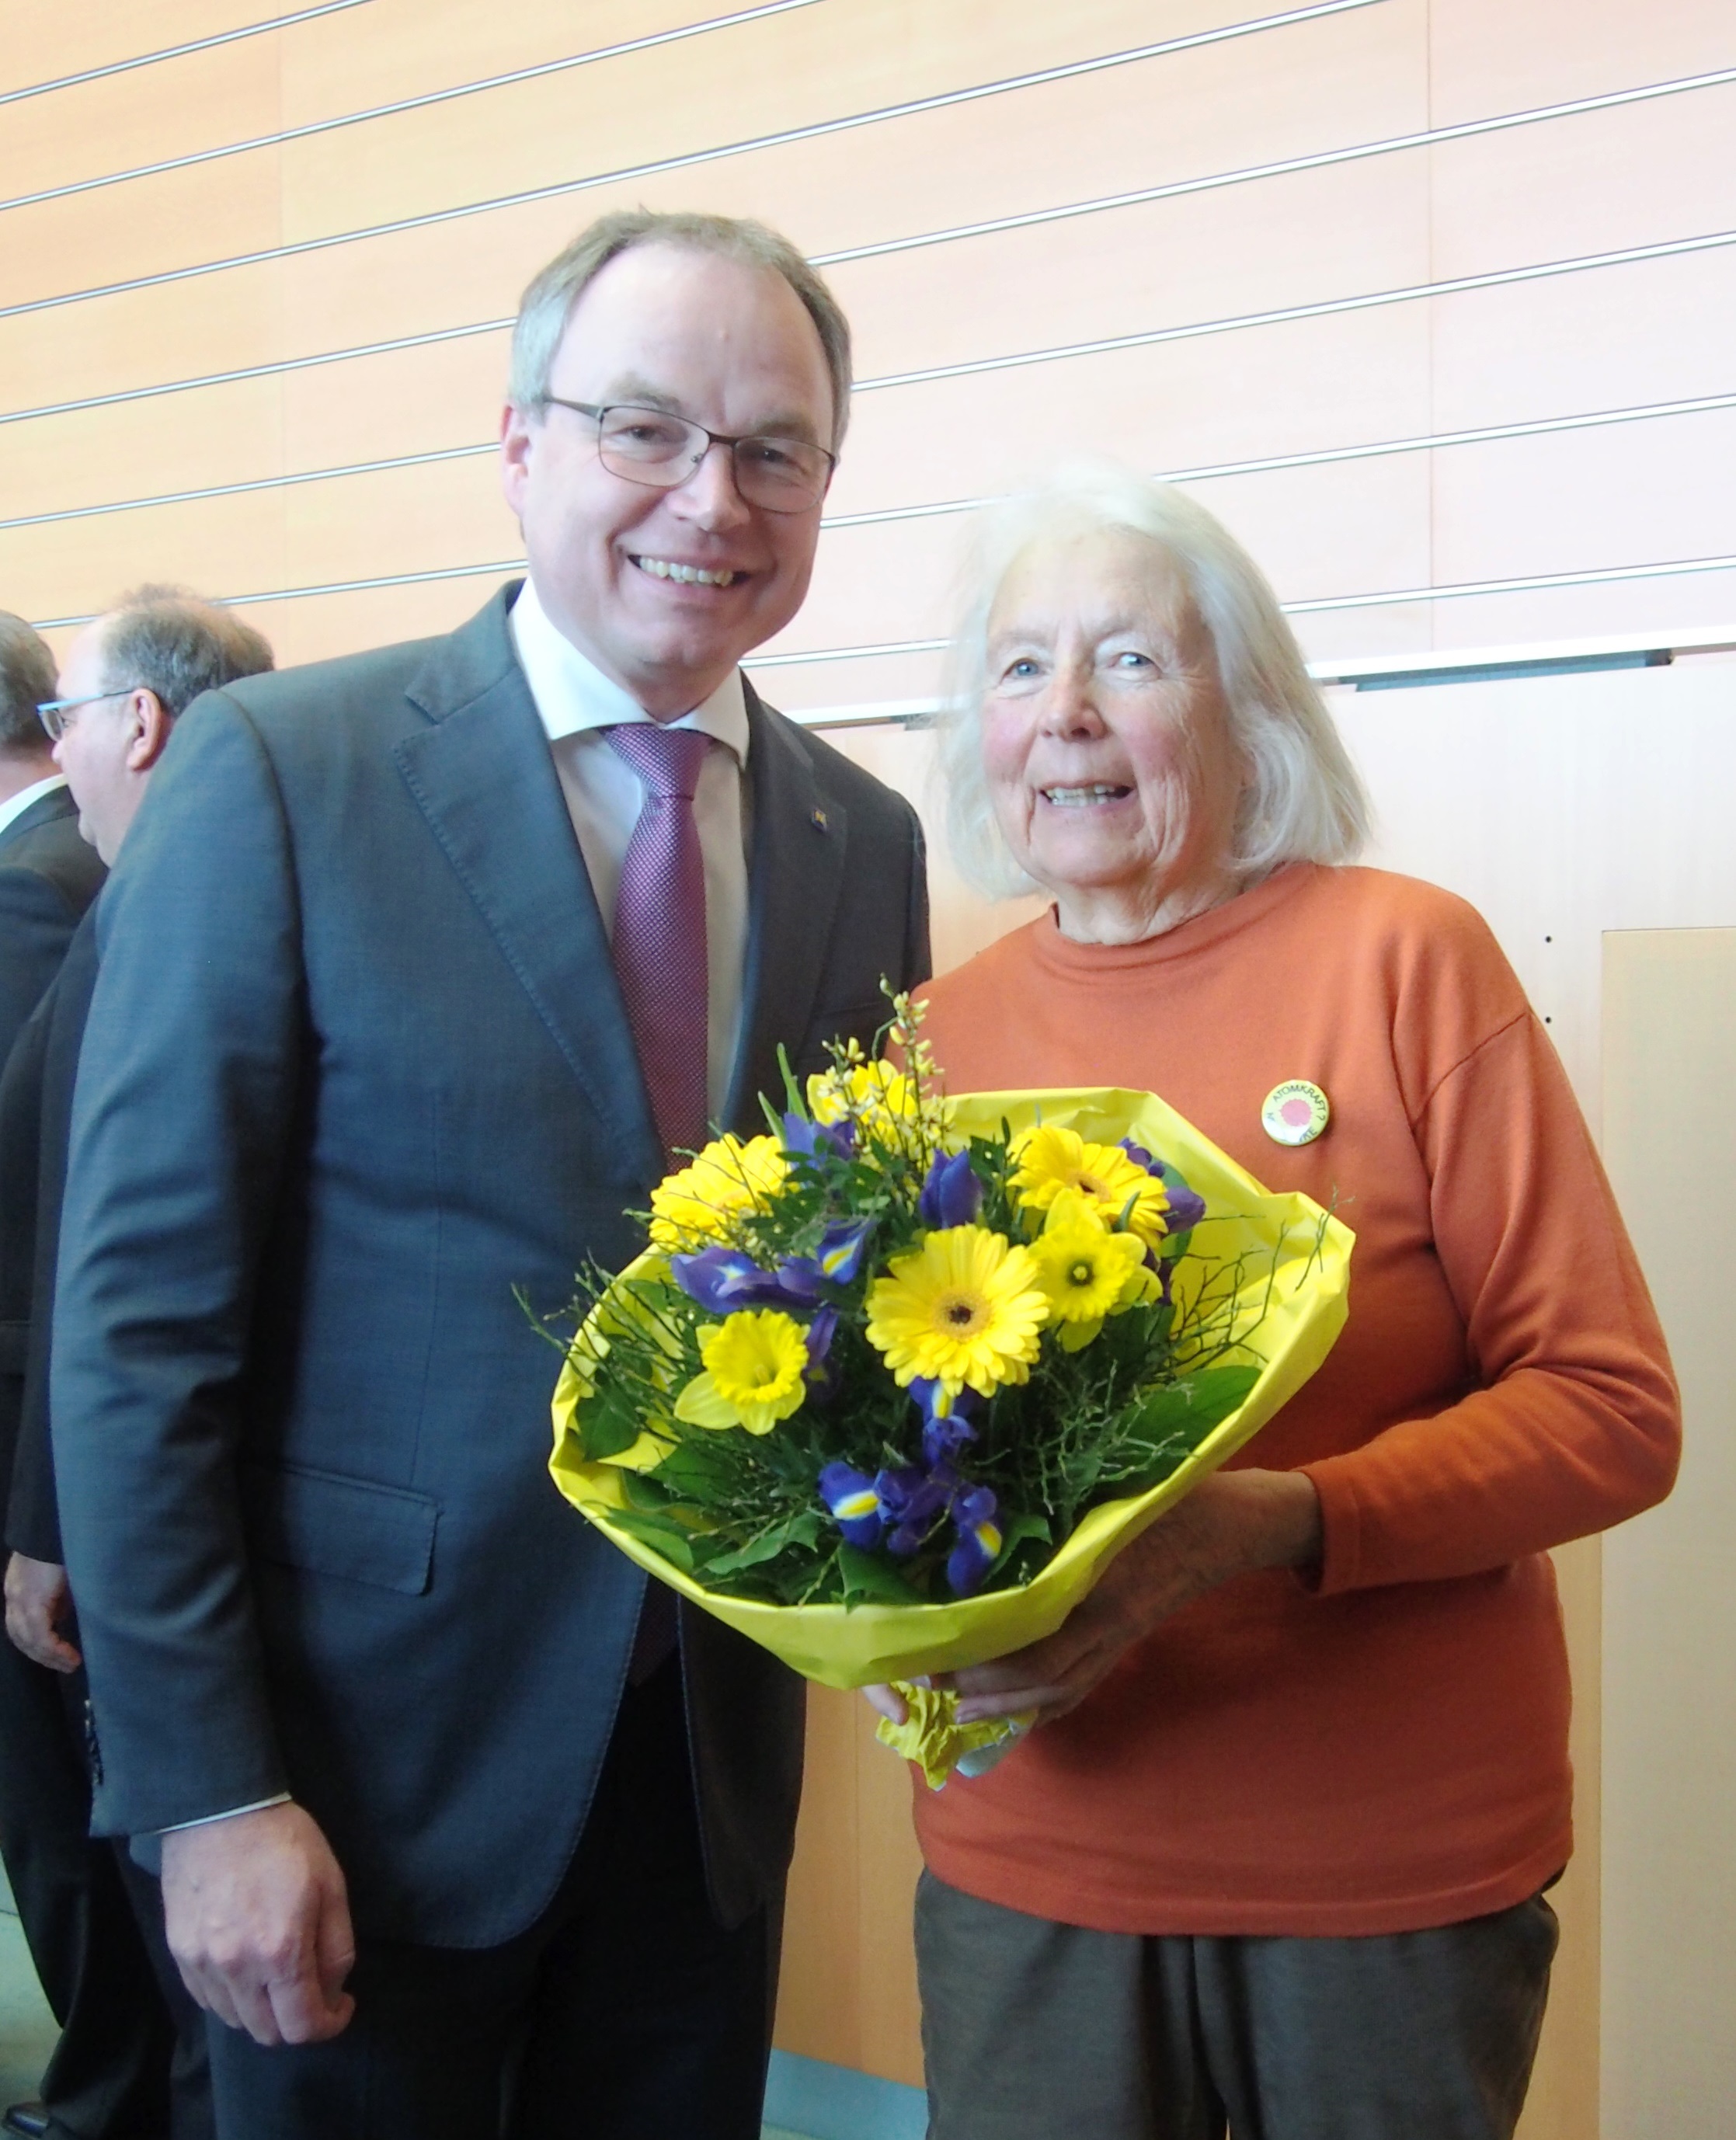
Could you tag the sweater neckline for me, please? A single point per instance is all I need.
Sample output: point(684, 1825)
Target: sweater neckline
point(1061, 955)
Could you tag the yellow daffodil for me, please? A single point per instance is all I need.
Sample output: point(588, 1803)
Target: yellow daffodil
point(1051, 1160)
point(1085, 1269)
point(727, 1178)
point(753, 1377)
point(965, 1310)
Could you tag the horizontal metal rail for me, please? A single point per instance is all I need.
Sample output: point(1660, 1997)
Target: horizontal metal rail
point(177, 51)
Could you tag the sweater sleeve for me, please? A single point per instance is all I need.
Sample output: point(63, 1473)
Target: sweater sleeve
point(1576, 1424)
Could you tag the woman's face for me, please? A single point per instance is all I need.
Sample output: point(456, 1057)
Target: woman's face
point(1104, 736)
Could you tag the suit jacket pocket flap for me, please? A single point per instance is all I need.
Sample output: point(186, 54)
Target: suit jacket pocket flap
point(332, 1525)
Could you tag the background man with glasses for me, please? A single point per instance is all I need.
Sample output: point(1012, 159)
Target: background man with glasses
point(131, 2054)
point(441, 950)
point(48, 875)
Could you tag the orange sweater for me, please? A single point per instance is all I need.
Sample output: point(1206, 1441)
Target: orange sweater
point(1387, 1750)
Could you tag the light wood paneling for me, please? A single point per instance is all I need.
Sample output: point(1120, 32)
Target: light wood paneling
point(1489, 55)
point(45, 42)
point(1670, 1741)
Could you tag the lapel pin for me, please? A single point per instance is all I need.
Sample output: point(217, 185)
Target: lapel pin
point(816, 819)
point(1295, 1112)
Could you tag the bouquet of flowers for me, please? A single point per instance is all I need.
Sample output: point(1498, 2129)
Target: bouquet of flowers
point(892, 1381)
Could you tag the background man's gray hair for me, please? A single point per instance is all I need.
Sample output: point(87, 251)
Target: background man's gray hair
point(547, 304)
point(173, 642)
point(1303, 800)
point(26, 681)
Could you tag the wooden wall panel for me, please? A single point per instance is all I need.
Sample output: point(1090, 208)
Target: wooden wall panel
point(1487, 55)
point(204, 101)
point(46, 43)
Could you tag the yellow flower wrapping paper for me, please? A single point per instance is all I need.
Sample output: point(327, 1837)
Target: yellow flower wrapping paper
point(857, 1645)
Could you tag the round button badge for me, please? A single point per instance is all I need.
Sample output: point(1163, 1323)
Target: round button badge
point(1295, 1112)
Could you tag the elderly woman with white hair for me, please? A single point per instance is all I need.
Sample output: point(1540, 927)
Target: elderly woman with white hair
point(1275, 1852)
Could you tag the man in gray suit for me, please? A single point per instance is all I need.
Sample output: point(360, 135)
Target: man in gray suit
point(48, 874)
point(417, 966)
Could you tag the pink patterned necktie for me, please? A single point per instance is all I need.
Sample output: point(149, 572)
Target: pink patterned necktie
point(660, 929)
point(660, 962)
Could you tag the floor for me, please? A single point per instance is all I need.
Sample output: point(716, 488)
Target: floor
point(26, 2027)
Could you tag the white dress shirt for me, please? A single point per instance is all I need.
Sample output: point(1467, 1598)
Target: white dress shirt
point(15, 806)
point(576, 702)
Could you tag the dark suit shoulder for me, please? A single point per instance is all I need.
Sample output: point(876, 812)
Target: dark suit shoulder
point(49, 846)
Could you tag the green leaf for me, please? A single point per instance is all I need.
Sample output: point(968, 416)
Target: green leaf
point(659, 1533)
point(1190, 1408)
point(607, 1424)
point(696, 1471)
point(645, 1491)
point(1016, 1532)
point(877, 1581)
point(802, 1529)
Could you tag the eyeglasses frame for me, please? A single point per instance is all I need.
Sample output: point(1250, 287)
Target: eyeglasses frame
point(597, 410)
point(52, 713)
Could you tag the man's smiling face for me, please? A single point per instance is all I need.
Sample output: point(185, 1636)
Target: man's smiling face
point(666, 590)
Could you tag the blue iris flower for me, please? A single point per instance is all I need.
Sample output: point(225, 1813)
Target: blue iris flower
point(822, 1373)
point(946, 1425)
point(952, 1195)
point(724, 1279)
point(843, 1249)
point(913, 1499)
point(854, 1504)
point(979, 1540)
point(808, 1139)
point(1186, 1207)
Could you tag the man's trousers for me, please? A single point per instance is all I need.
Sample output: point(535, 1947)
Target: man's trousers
point(624, 2013)
point(130, 2061)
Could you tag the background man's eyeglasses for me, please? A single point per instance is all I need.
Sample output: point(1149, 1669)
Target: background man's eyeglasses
point(56, 714)
point(652, 447)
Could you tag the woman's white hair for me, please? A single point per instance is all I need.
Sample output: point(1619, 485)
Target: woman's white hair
point(1303, 800)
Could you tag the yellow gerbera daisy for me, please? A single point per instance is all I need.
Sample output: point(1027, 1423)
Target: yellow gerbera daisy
point(964, 1309)
point(727, 1178)
point(1051, 1160)
point(753, 1373)
point(1084, 1268)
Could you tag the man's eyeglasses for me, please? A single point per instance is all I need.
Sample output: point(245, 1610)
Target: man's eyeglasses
point(660, 450)
point(56, 714)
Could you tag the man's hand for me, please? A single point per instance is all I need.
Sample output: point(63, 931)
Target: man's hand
point(1231, 1525)
point(38, 1606)
point(258, 1922)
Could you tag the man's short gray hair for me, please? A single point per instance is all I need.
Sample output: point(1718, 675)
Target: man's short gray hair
point(174, 643)
point(1303, 800)
point(26, 681)
point(547, 304)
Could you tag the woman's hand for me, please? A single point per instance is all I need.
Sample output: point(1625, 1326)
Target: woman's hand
point(1231, 1523)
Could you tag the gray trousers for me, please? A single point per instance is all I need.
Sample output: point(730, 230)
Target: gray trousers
point(1039, 2031)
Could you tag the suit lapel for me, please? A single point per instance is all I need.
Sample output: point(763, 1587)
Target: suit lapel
point(483, 775)
point(794, 875)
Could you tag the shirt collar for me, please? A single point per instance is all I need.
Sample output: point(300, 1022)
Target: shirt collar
point(15, 807)
point(572, 694)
